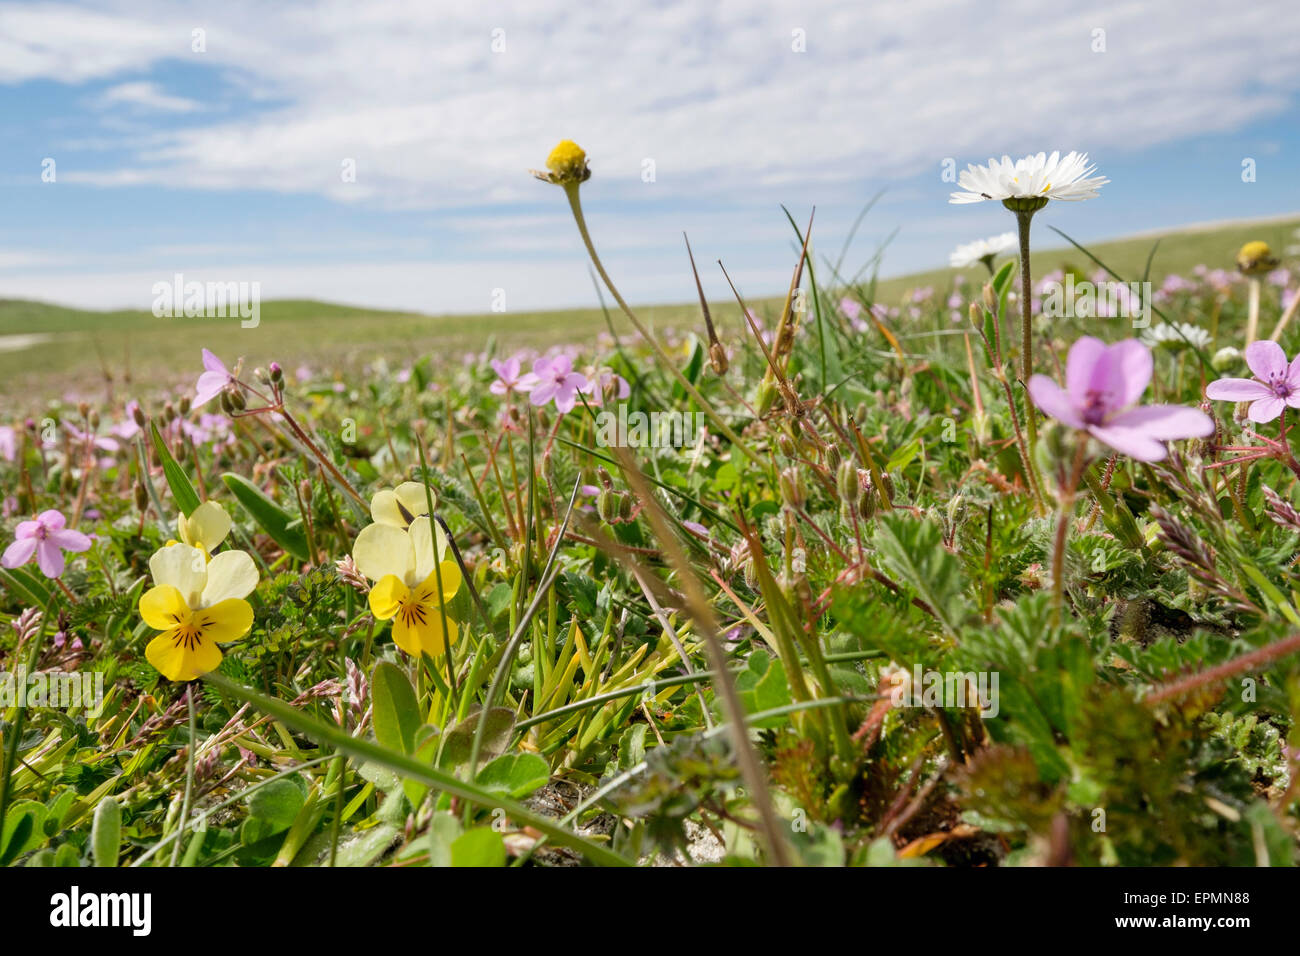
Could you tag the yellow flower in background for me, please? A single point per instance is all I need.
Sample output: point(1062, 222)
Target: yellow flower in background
point(399, 506)
point(205, 528)
point(196, 603)
point(406, 576)
point(567, 165)
point(1255, 258)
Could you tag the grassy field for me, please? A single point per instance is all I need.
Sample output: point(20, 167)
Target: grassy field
point(74, 347)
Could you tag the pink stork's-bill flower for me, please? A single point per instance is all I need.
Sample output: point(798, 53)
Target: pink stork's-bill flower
point(509, 378)
point(1103, 384)
point(213, 381)
point(556, 380)
point(1275, 386)
point(47, 538)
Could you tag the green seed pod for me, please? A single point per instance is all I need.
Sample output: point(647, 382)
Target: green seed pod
point(990, 299)
point(785, 444)
point(867, 502)
point(790, 482)
point(141, 497)
point(847, 483)
point(767, 395)
point(607, 506)
point(833, 457)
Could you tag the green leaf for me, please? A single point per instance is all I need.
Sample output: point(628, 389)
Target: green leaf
point(272, 809)
point(19, 826)
point(412, 769)
point(515, 775)
point(912, 551)
point(460, 739)
point(396, 712)
point(187, 499)
point(481, 846)
point(283, 528)
point(106, 833)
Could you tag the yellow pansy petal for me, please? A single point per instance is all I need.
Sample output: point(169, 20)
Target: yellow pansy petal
point(381, 550)
point(231, 574)
point(421, 534)
point(427, 592)
point(415, 635)
point(163, 608)
point(411, 495)
point(385, 509)
point(206, 527)
point(226, 621)
point(180, 659)
point(387, 596)
point(182, 567)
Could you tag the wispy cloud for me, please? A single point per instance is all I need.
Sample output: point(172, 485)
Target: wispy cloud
point(145, 96)
point(444, 105)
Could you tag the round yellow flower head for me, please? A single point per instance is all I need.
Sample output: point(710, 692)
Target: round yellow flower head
point(567, 165)
point(1255, 258)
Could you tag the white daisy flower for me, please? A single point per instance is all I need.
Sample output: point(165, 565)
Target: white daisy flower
point(1175, 336)
point(981, 249)
point(1030, 182)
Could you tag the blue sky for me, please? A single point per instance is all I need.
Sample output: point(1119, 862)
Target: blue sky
point(209, 139)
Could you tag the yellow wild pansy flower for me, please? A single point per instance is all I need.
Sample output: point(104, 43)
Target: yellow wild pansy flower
point(406, 576)
point(205, 528)
point(196, 602)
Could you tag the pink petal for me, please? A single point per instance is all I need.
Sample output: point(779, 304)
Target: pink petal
point(1129, 441)
point(50, 559)
point(543, 393)
point(1123, 373)
point(1237, 390)
point(1266, 359)
point(1084, 355)
point(1166, 422)
point(1266, 409)
point(209, 386)
point(565, 398)
point(52, 519)
point(214, 364)
point(1293, 373)
point(70, 540)
point(1053, 400)
point(18, 553)
point(26, 529)
point(497, 388)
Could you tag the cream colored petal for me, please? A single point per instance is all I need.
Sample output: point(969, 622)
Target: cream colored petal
point(411, 495)
point(386, 509)
point(422, 543)
point(206, 527)
point(181, 567)
point(381, 550)
point(231, 574)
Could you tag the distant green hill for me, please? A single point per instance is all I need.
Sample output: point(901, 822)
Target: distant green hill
point(46, 350)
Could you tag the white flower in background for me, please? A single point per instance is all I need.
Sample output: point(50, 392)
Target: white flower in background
point(981, 250)
point(1175, 336)
point(1035, 179)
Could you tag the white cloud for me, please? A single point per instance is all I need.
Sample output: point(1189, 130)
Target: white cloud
point(146, 96)
point(715, 95)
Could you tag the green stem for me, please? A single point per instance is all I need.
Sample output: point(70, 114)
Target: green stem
point(1026, 320)
point(575, 204)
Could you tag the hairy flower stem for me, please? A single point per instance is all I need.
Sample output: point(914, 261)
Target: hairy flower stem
point(575, 204)
point(1063, 519)
point(1026, 320)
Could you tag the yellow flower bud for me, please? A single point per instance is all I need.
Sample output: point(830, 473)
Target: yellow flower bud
point(1255, 258)
point(567, 165)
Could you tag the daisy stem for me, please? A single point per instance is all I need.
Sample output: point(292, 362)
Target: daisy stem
point(1026, 320)
point(1063, 519)
point(1252, 317)
point(575, 204)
